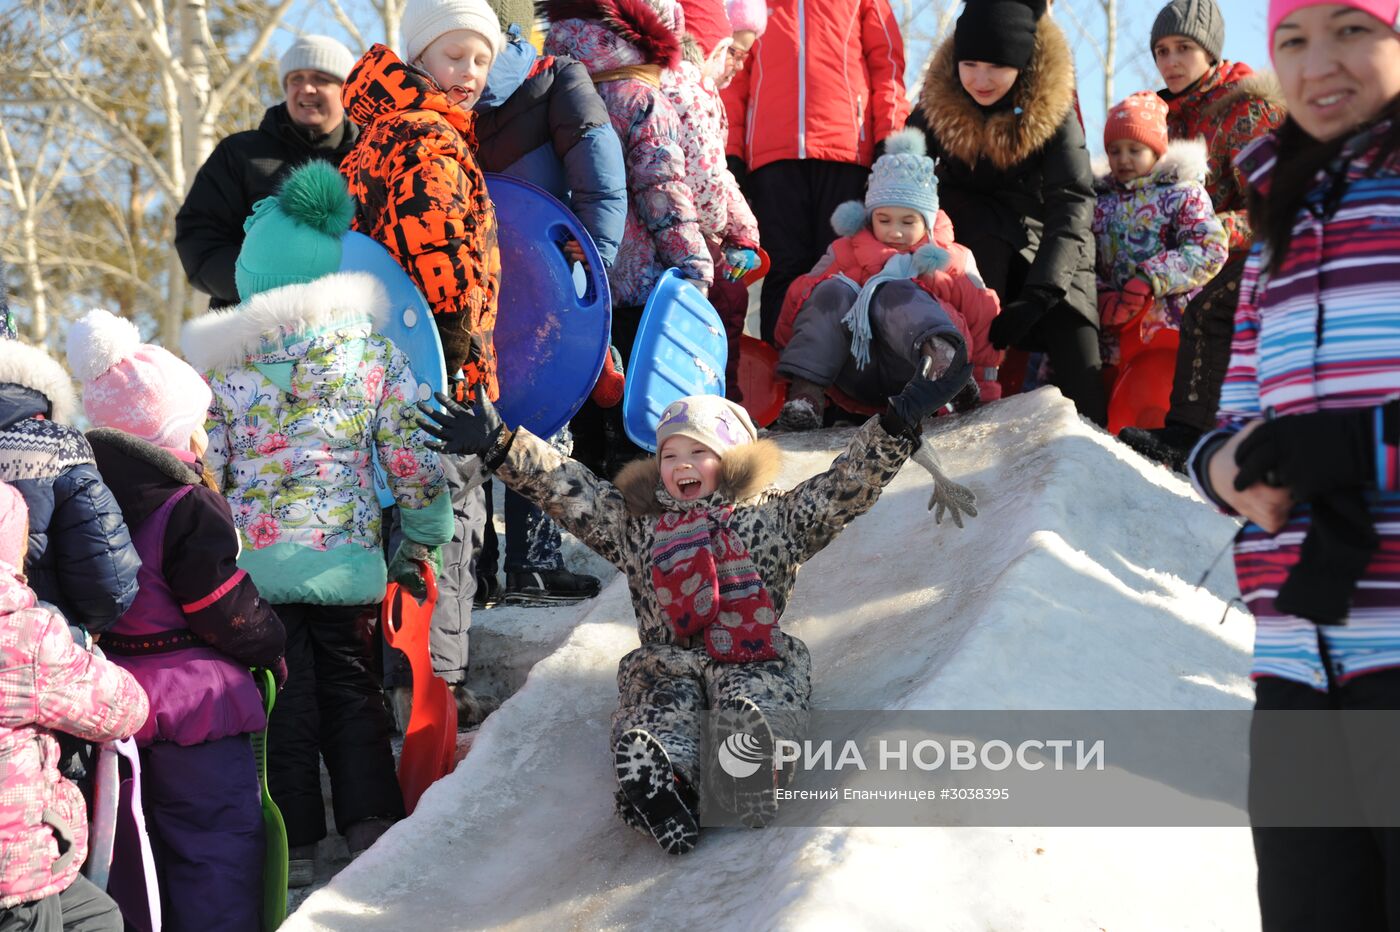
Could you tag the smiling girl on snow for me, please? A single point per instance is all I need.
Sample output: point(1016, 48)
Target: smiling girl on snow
point(711, 554)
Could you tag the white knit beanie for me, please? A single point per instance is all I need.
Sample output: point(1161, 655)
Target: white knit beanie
point(425, 20)
point(317, 53)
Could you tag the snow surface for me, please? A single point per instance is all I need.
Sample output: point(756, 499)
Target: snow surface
point(1075, 588)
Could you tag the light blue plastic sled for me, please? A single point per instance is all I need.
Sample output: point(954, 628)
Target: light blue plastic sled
point(551, 334)
point(680, 350)
point(410, 325)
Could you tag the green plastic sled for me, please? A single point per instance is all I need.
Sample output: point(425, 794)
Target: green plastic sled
point(274, 908)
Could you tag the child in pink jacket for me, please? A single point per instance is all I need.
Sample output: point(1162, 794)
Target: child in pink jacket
point(47, 684)
point(726, 220)
point(627, 45)
point(890, 290)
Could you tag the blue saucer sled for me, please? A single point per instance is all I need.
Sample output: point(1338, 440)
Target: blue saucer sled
point(680, 350)
point(552, 329)
point(553, 320)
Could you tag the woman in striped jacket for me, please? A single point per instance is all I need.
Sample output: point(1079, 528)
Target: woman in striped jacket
point(1307, 453)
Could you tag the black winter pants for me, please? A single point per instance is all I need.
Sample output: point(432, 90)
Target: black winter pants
point(1072, 343)
point(331, 707)
point(1207, 330)
point(793, 200)
point(83, 907)
point(1329, 878)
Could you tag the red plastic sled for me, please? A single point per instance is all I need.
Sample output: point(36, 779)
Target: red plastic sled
point(1142, 391)
point(764, 391)
point(430, 741)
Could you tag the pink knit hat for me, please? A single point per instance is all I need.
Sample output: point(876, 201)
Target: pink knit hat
point(749, 15)
point(1387, 11)
point(133, 386)
point(14, 527)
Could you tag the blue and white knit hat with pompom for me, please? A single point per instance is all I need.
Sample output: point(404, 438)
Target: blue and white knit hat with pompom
point(902, 177)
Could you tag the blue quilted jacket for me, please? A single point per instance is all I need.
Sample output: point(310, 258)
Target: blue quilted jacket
point(80, 557)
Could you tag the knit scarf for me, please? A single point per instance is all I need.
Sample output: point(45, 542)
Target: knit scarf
point(706, 580)
point(899, 267)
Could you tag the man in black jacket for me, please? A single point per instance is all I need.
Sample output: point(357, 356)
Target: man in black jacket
point(246, 167)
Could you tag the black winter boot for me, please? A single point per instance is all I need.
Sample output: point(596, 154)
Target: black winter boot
point(1168, 445)
point(549, 587)
point(752, 797)
point(647, 781)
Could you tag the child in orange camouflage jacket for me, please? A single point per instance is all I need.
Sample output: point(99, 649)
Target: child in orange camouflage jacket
point(414, 172)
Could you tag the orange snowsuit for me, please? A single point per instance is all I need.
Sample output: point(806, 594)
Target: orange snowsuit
point(422, 195)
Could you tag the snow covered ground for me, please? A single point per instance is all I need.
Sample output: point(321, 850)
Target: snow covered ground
point(1075, 588)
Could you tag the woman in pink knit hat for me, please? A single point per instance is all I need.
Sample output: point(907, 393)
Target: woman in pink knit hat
point(1308, 451)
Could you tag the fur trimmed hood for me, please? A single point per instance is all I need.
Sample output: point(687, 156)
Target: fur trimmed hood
point(1185, 161)
point(1261, 85)
point(32, 368)
point(226, 338)
point(635, 24)
point(1043, 96)
point(134, 447)
point(745, 472)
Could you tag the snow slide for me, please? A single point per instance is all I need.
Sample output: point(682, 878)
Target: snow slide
point(1075, 588)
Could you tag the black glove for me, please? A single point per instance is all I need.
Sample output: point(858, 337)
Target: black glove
point(476, 430)
point(1311, 454)
point(921, 398)
point(1015, 321)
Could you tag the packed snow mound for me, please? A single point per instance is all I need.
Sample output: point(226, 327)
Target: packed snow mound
point(1075, 588)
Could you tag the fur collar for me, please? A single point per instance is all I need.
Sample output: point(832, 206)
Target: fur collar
point(1184, 162)
point(1044, 93)
point(138, 449)
point(635, 22)
point(744, 473)
point(224, 339)
point(1262, 86)
point(21, 364)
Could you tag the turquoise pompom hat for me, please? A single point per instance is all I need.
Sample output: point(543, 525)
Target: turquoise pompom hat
point(294, 237)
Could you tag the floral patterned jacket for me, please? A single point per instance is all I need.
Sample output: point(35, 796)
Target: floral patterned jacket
point(662, 229)
point(48, 683)
point(305, 395)
point(1160, 227)
point(1229, 108)
point(725, 216)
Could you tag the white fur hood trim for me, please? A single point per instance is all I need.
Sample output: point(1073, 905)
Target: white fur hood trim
point(1184, 162)
point(21, 364)
point(226, 338)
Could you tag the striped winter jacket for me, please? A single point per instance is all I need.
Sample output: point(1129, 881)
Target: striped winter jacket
point(1323, 333)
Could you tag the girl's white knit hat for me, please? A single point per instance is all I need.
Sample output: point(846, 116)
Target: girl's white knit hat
point(426, 20)
point(713, 420)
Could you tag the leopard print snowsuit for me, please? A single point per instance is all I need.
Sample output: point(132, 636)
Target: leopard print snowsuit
point(665, 682)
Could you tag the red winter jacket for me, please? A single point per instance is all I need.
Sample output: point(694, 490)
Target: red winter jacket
point(970, 304)
point(825, 81)
point(1230, 108)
